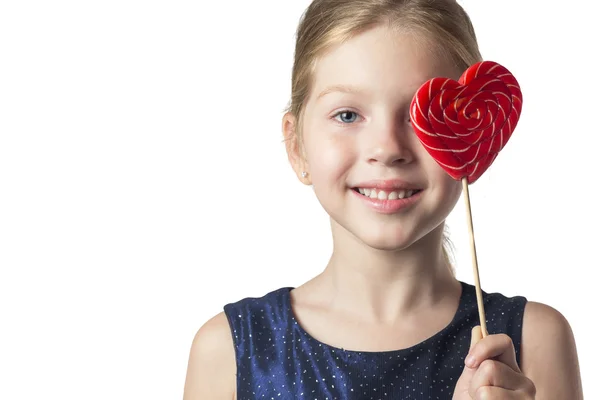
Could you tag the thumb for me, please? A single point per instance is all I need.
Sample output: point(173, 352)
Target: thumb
point(476, 336)
point(461, 390)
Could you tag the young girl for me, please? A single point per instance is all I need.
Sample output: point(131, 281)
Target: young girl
point(386, 319)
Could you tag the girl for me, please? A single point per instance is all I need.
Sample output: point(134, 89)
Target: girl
point(386, 319)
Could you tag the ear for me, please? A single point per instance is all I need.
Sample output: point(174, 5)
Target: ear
point(294, 148)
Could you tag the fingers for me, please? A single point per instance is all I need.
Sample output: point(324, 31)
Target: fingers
point(494, 373)
point(498, 347)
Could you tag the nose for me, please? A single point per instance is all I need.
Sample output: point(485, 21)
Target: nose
point(390, 143)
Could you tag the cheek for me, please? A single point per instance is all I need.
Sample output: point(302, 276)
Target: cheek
point(450, 188)
point(441, 181)
point(455, 188)
point(433, 169)
point(330, 158)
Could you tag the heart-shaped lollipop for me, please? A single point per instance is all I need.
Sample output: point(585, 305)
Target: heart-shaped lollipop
point(464, 125)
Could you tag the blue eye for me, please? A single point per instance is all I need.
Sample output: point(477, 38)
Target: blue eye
point(346, 117)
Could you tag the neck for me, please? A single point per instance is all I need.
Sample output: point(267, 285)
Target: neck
point(383, 286)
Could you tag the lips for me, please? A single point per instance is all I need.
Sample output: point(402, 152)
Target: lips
point(386, 205)
point(388, 185)
point(386, 194)
point(387, 190)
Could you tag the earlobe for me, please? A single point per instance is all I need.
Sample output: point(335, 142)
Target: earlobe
point(292, 146)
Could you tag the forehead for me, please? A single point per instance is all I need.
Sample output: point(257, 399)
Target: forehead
point(383, 61)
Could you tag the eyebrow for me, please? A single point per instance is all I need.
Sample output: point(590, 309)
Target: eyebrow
point(340, 88)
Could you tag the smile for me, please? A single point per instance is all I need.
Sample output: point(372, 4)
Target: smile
point(384, 195)
point(388, 202)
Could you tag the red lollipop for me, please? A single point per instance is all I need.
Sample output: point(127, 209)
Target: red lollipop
point(463, 125)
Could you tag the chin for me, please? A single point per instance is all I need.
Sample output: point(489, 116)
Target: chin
point(392, 242)
point(392, 238)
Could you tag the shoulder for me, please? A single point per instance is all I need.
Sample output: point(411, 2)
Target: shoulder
point(212, 365)
point(270, 309)
point(549, 354)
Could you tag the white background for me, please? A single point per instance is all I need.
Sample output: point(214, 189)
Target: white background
point(144, 184)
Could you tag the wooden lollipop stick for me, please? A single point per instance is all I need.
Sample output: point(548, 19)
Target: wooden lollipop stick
point(484, 331)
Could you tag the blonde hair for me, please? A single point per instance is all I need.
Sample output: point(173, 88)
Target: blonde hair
point(327, 23)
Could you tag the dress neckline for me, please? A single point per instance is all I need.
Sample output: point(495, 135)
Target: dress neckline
point(287, 299)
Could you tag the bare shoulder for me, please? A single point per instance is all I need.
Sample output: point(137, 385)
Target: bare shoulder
point(211, 372)
point(549, 353)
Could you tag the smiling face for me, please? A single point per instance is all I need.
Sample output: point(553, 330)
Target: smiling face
point(357, 133)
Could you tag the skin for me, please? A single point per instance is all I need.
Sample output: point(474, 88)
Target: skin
point(386, 285)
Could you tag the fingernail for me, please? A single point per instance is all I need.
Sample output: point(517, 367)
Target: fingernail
point(470, 361)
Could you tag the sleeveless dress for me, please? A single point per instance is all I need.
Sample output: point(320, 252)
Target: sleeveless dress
point(277, 359)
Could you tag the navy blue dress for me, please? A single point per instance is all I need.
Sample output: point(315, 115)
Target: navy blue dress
point(277, 359)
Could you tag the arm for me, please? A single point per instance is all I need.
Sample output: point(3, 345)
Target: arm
point(211, 372)
point(549, 354)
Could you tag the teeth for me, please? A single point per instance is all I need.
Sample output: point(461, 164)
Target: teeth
point(382, 195)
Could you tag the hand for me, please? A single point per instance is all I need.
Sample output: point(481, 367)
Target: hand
point(494, 373)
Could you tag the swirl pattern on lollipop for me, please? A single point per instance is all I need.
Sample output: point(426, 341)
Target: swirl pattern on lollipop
point(464, 125)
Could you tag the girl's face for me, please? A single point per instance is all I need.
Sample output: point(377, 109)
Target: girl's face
point(356, 130)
